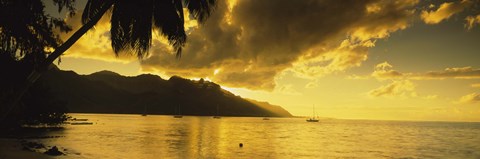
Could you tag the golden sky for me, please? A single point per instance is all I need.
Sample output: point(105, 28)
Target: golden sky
point(379, 59)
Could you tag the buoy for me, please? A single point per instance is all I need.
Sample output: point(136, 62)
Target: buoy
point(240, 145)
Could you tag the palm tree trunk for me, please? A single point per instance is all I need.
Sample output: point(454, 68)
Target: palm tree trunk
point(47, 64)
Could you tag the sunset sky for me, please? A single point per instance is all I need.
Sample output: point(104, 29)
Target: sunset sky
point(368, 59)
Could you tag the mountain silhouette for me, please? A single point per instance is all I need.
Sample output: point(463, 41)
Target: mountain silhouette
point(110, 92)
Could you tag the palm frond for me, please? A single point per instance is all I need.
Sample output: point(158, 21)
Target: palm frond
point(132, 21)
point(93, 7)
point(200, 9)
point(132, 26)
point(168, 17)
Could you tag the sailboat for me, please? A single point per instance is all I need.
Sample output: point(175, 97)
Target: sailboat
point(178, 113)
point(313, 118)
point(144, 111)
point(265, 117)
point(217, 116)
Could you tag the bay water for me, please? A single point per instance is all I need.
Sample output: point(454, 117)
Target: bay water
point(157, 136)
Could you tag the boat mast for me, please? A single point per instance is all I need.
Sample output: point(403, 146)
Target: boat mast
point(313, 115)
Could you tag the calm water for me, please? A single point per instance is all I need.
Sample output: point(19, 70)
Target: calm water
point(134, 136)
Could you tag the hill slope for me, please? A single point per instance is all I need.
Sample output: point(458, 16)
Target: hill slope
point(109, 92)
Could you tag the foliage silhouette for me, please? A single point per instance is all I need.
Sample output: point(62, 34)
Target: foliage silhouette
point(41, 107)
point(131, 29)
point(26, 32)
point(108, 92)
point(38, 107)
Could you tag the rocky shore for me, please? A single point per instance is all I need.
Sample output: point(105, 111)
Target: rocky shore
point(14, 149)
point(23, 143)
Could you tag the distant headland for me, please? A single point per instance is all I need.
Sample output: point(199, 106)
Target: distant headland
point(110, 92)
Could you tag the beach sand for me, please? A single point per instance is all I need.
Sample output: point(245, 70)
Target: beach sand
point(12, 149)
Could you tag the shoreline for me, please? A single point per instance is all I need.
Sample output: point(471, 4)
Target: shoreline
point(136, 114)
point(11, 148)
point(28, 142)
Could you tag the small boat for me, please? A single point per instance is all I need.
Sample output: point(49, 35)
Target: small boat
point(314, 118)
point(217, 116)
point(178, 113)
point(144, 111)
point(81, 123)
point(266, 118)
point(76, 119)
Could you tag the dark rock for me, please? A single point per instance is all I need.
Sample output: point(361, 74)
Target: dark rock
point(33, 145)
point(54, 151)
point(24, 148)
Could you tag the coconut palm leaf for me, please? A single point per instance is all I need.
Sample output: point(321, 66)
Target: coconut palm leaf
point(132, 21)
point(168, 18)
point(131, 26)
point(93, 7)
point(200, 9)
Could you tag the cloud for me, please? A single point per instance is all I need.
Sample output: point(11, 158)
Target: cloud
point(457, 73)
point(347, 55)
point(357, 77)
point(431, 97)
point(471, 21)
point(252, 42)
point(470, 98)
point(402, 85)
point(403, 88)
point(312, 84)
point(287, 89)
point(445, 11)
point(385, 71)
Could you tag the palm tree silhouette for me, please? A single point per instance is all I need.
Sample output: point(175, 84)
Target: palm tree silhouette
point(132, 23)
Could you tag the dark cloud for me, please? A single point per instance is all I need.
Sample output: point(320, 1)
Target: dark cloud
point(254, 41)
point(250, 44)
